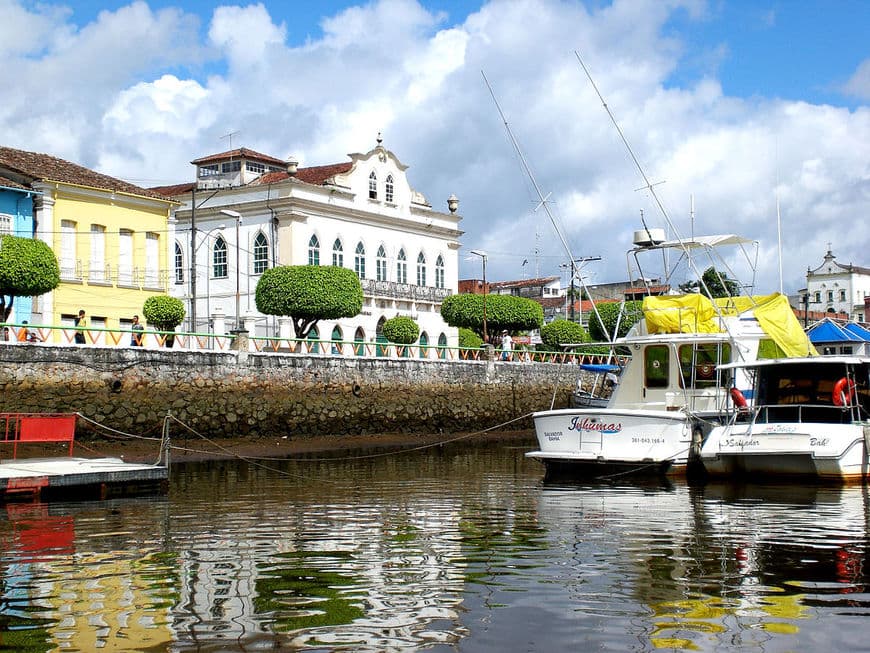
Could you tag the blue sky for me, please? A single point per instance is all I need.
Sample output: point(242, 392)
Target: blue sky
point(734, 105)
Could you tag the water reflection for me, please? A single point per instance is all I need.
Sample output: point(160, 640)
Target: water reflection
point(456, 549)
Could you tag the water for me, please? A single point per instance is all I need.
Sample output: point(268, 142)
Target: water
point(455, 549)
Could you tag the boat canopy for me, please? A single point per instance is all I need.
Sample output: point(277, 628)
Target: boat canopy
point(696, 313)
point(599, 368)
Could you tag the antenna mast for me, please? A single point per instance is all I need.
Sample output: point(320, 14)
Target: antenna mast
point(544, 199)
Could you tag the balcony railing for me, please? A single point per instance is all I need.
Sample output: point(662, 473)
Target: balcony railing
point(395, 290)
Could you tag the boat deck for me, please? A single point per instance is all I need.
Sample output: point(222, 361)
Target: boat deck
point(26, 478)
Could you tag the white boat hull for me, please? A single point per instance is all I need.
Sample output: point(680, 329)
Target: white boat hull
point(835, 452)
point(639, 440)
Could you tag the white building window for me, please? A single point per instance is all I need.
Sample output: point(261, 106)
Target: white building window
point(209, 170)
point(359, 261)
point(125, 257)
point(219, 258)
point(257, 168)
point(313, 251)
point(152, 260)
point(261, 253)
point(5, 224)
point(231, 166)
point(68, 249)
point(401, 267)
point(842, 295)
point(337, 254)
point(388, 189)
point(421, 269)
point(97, 268)
point(439, 272)
point(179, 263)
point(373, 185)
point(381, 264)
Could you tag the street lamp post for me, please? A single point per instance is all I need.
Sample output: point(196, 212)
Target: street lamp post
point(482, 255)
point(238, 218)
point(208, 264)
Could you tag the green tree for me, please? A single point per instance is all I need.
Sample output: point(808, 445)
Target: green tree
point(165, 313)
point(632, 312)
point(502, 312)
point(561, 332)
point(401, 330)
point(717, 283)
point(469, 339)
point(28, 268)
point(308, 294)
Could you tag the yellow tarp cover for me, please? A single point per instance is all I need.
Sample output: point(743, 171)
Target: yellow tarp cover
point(695, 313)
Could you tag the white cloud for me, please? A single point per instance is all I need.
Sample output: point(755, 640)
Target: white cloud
point(859, 84)
point(140, 93)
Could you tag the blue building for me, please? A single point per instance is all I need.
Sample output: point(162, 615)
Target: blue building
point(16, 218)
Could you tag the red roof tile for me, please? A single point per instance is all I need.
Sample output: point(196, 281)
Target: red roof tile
point(240, 153)
point(33, 166)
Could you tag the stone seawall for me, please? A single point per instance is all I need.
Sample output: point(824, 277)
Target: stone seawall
point(222, 394)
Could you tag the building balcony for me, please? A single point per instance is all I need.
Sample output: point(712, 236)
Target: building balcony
point(406, 291)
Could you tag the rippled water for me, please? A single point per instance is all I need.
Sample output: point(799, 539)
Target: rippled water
point(455, 549)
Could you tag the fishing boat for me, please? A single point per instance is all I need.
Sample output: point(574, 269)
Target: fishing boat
point(810, 418)
point(677, 383)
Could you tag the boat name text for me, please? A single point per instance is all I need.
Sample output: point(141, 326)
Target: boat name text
point(586, 424)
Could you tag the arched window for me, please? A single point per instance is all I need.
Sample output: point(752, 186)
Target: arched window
point(424, 345)
point(313, 251)
point(219, 258)
point(388, 189)
point(337, 254)
point(373, 185)
point(439, 272)
point(401, 267)
point(261, 253)
point(381, 339)
point(179, 264)
point(381, 264)
point(442, 346)
point(421, 269)
point(359, 260)
point(359, 342)
point(314, 341)
point(337, 337)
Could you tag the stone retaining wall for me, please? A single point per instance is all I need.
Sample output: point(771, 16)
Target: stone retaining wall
point(229, 394)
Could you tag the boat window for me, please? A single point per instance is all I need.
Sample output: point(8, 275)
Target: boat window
point(698, 365)
point(656, 368)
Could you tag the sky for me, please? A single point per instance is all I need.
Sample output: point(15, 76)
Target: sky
point(745, 117)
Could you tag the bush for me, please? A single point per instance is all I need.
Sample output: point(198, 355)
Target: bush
point(28, 267)
point(560, 332)
point(164, 312)
point(401, 330)
point(469, 339)
point(609, 313)
point(502, 312)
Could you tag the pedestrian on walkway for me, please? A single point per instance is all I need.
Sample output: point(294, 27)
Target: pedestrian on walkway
point(80, 328)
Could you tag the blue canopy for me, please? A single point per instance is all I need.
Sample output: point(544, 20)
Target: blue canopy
point(600, 369)
point(829, 331)
point(858, 330)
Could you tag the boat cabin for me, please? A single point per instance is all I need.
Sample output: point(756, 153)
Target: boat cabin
point(829, 389)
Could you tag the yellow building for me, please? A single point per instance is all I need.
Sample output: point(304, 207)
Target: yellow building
point(111, 239)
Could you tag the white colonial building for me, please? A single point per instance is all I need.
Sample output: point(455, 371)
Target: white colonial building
point(836, 288)
point(248, 212)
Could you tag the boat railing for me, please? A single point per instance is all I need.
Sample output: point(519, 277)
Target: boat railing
point(805, 413)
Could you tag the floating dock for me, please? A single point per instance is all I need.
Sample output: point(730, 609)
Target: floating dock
point(31, 478)
point(68, 478)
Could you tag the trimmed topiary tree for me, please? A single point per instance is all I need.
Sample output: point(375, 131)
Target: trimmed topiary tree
point(401, 330)
point(165, 313)
point(610, 316)
point(469, 339)
point(308, 294)
point(28, 268)
point(561, 332)
point(502, 312)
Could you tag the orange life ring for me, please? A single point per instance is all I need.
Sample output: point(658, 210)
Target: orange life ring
point(738, 399)
point(844, 392)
